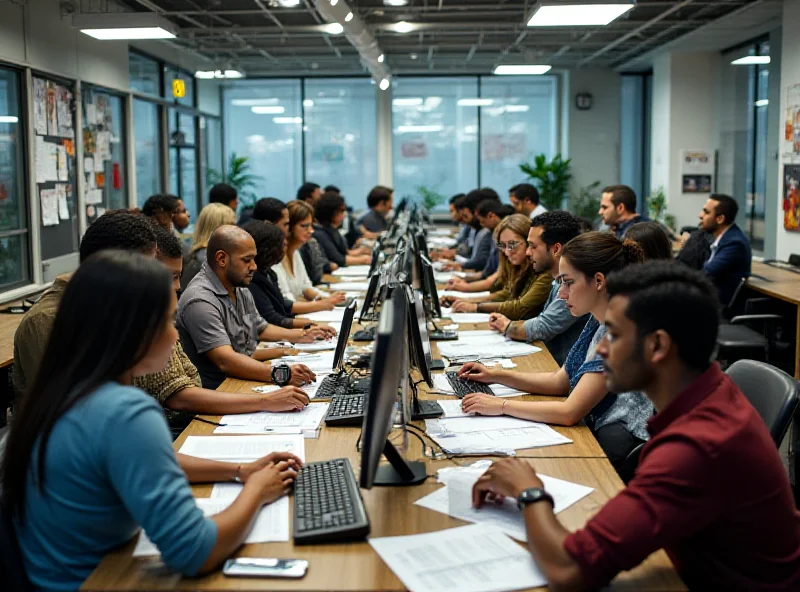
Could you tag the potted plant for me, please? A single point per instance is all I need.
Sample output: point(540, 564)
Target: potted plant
point(586, 203)
point(552, 179)
point(239, 177)
point(430, 198)
point(657, 205)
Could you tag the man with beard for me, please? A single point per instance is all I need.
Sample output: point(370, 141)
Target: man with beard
point(218, 322)
point(710, 488)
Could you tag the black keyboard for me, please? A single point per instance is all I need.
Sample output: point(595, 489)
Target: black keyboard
point(335, 385)
point(327, 504)
point(367, 334)
point(346, 410)
point(443, 335)
point(345, 303)
point(464, 386)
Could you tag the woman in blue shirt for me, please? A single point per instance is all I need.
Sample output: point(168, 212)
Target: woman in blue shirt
point(618, 420)
point(89, 459)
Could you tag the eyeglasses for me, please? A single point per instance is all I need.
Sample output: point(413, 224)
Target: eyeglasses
point(509, 246)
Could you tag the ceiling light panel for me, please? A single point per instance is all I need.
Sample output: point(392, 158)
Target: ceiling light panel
point(521, 70)
point(578, 14)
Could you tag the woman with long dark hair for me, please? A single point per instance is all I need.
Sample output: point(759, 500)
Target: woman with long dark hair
point(89, 458)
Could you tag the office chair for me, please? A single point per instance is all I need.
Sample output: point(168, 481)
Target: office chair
point(631, 462)
point(772, 392)
point(794, 259)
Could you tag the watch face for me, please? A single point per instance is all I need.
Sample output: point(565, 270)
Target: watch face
point(281, 374)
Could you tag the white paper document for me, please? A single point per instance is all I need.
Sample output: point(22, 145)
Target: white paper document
point(503, 441)
point(474, 558)
point(242, 448)
point(308, 418)
point(352, 271)
point(352, 286)
point(441, 277)
point(469, 317)
point(326, 316)
point(457, 294)
point(270, 526)
point(476, 423)
point(490, 347)
point(316, 345)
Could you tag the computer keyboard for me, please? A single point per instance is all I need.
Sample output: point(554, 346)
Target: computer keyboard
point(464, 386)
point(444, 335)
point(346, 410)
point(344, 303)
point(340, 384)
point(367, 334)
point(327, 504)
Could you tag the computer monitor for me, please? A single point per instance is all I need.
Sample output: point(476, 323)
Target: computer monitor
point(418, 336)
point(344, 336)
point(377, 249)
point(429, 288)
point(387, 371)
point(369, 298)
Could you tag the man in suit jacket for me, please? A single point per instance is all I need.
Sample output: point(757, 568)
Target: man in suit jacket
point(731, 257)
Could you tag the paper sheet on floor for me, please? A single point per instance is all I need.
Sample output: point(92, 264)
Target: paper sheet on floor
point(474, 558)
point(302, 421)
point(270, 526)
point(352, 270)
point(242, 448)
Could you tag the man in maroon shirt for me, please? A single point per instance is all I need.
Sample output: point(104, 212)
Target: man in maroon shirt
point(710, 488)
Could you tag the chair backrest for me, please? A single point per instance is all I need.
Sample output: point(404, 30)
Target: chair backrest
point(731, 308)
point(794, 259)
point(771, 391)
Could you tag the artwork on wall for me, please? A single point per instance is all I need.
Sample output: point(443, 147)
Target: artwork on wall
point(791, 138)
point(791, 197)
point(697, 170)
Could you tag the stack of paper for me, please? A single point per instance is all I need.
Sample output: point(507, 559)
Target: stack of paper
point(326, 316)
point(354, 284)
point(474, 558)
point(289, 422)
point(352, 271)
point(242, 448)
point(476, 349)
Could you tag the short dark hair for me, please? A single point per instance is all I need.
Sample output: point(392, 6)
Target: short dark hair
point(622, 194)
point(456, 197)
point(726, 206)
point(491, 206)
point(475, 197)
point(378, 195)
point(160, 203)
point(678, 300)
point(332, 188)
point(305, 191)
point(168, 245)
point(268, 209)
point(327, 207)
point(557, 226)
point(269, 243)
point(525, 192)
point(120, 230)
point(222, 193)
point(490, 193)
point(653, 239)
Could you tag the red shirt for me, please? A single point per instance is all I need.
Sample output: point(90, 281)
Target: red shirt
point(710, 490)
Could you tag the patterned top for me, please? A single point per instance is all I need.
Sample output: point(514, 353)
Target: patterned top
point(179, 374)
point(632, 409)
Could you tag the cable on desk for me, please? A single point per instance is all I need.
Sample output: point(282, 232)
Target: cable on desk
point(208, 421)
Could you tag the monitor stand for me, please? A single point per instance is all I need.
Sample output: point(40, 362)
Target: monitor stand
point(437, 364)
point(425, 409)
point(399, 471)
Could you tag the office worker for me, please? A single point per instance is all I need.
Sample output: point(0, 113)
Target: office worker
point(463, 245)
point(218, 322)
point(525, 200)
point(618, 209)
point(211, 217)
point(181, 218)
point(89, 459)
point(556, 326)
point(520, 292)
point(617, 420)
point(272, 210)
point(653, 239)
point(730, 259)
point(710, 488)
point(224, 194)
point(482, 243)
point(309, 193)
point(329, 212)
point(161, 208)
point(374, 221)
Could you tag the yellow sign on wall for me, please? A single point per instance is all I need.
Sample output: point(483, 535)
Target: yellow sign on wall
point(178, 88)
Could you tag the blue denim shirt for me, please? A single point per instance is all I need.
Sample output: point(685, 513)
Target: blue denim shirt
point(555, 326)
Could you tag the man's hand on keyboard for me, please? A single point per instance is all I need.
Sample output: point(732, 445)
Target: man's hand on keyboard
point(477, 372)
point(301, 374)
point(246, 470)
point(273, 481)
point(482, 404)
point(289, 398)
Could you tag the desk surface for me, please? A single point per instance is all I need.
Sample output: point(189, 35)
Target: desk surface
point(8, 326)
point(778, 283)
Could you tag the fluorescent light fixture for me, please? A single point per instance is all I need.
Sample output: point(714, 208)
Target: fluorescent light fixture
point(409, 102)
point(112, 26)
point(9, 119)
point(418, 129)
point(204, 74)
point(381, 58)
point(267, 110)
point(384, 84)
point(395, 2)
point(521, 70)
point(288, 3)
point(334, 28)
point(403, 27)
point(334, 2)
point(475, 102)
point(308, 103)
point(287, 120)
point(751, 61)
point(233, 74)
point(254, 102)
point(759, 103)
point(349, 17)
point(577, 15)
point(516, 108)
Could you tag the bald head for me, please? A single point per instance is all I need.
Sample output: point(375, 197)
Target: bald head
point(231, 253)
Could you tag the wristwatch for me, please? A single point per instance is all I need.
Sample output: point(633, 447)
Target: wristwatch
point(281, 374)
point(533, 495)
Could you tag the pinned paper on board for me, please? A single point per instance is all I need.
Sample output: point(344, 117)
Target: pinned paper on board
point(91, 114)
point(69, 146)
point(49, 204)
point(64, 110)
point(94, 196)
point(51, 109)
point(40, 106)
point(88, 164)
point(100, 179)
point(63, 208)
point(63, 170)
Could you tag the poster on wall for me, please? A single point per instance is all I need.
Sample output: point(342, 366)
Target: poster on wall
point(697, 171)
point(791, 136)
point(791, 197)
point(39, 106)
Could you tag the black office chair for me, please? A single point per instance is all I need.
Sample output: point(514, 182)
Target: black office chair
point(771, 391)
point(631, 462)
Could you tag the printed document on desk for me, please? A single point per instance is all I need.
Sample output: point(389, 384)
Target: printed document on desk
point(326, 316)
point(457, 294)
point(242, 448)
point(308, 419)
point(503, 441)
point(352, 271)
point(474, 558)
point(468, 348)
point(315, 346)
point(352, 285)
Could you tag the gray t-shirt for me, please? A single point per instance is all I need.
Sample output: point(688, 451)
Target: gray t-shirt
point(373, 221)
point(208, 318)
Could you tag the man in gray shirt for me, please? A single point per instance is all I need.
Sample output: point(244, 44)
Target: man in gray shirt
point(217, 319)
point(555, 326)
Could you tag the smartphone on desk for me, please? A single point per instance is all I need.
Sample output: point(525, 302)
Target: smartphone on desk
point(264, 567)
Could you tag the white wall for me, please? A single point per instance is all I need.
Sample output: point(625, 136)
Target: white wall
point(594, 134)
point(787, 242)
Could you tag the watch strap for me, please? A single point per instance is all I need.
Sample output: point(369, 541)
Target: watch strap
point(532, 496)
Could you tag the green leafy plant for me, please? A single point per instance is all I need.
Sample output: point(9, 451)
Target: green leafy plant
point(430, 198)
point(238, 176)
point(552, 179)
point(657, 205)
point(586, 203)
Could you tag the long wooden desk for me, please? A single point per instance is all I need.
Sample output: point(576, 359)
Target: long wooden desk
point(355, 566)
point(8, 326)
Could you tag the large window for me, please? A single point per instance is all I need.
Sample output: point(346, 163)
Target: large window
point(340, 125)
point(263, 121)
point(183, 157)
point(634, 148)
point(147, 146)
point(435, 135)
point(144, 74)
point(213, 152)
point(14, 237)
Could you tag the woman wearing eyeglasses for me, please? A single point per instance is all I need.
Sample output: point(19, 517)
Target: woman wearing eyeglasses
point(519, 292)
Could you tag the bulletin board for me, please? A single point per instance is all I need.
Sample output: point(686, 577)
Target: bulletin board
point(55, 166)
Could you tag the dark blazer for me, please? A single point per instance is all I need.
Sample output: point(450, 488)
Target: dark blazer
point(270, 303)
point(730, 263)
point(332, 243)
